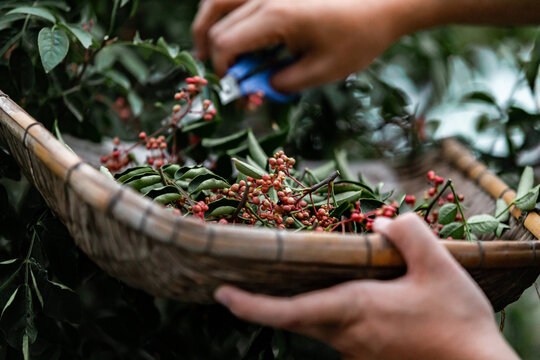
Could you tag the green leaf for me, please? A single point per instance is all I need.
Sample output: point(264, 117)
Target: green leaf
point(185, 58)
point(131, 61)
point(53, 47)
point(137, 170)
point(526, 182)
point(106, 172)
point(223, 210)
point(338, 211)
point(343, 166)
point(247, 169)
point(344, 197)
point(223, 202)
point(170, 170)
point(529, 200)
point(482, 224)
point(118, 78)
point(135, 102)
point(207, 182)
point(367, 205)
point(480, 96)
point(256, 151)
point(60, 302)
point(455, 230)
point(172, 50)
point(447, 213)
point(18, 317)
point(34, 11)
point(501, 205)
point(138, 183)
point(500, 229)
point(324, 170)
point(83, 36)
point(164, 194)
point(191, 172)
point(227, 142)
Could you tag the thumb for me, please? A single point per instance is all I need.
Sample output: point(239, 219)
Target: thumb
point(420, 248)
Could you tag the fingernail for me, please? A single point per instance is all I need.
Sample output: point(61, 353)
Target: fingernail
point(380, 223)
point(221, 296)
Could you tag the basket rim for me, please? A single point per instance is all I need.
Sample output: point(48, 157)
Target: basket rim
point(372, 250)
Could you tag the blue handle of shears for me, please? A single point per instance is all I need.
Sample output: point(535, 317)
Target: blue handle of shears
point(259, 81)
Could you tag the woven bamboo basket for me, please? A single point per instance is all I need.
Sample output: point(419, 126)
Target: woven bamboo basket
point(145, 246)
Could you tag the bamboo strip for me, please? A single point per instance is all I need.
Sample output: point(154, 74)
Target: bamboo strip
point(490, 182)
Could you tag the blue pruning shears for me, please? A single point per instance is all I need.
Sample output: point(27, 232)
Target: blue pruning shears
point(252, 74)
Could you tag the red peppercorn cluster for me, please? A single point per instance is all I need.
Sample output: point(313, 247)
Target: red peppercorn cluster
point(118, 158)
point(156, 144)
point(193, 88)
point(281, 162)
point(157, 148)
point(199, 209)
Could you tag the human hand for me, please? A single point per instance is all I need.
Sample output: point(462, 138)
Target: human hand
point(331, 39)
point(434, 311)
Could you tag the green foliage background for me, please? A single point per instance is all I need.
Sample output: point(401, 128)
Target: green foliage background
point(58, 305)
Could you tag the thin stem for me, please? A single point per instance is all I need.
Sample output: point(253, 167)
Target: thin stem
point(315, 187)
point(458, 204)
point(436, 198)
point(191, 203)
point(163, 180)
point(241, 204)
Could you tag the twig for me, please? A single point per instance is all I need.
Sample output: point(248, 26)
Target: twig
point(319, 185)
point(241, 204)
point(436, 198)
point(163, 180)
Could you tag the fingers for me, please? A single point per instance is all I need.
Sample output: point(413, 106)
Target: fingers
point(420, 248)
point(332, 306)
point(246, 29)
point(210, 11)
point(310, 70)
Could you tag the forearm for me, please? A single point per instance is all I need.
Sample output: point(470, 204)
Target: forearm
point(414, 15)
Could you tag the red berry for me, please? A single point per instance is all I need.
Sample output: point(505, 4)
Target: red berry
point(450, 197)
point(410, 199)
point(142, 135)
point(196, 208)
point(461, 197)
point(388, 213)
point(439, 180)
point(432, 192)
point(104, 159)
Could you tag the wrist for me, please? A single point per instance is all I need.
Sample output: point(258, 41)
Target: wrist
point(409, 16)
